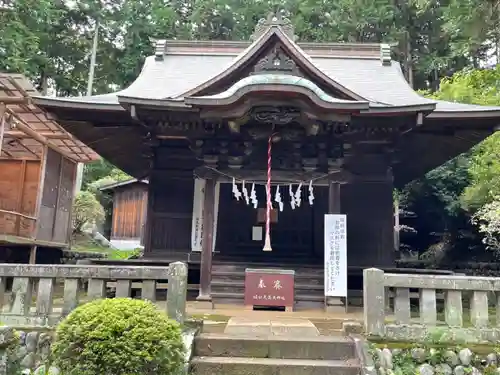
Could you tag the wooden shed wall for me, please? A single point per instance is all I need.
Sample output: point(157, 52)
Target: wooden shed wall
point(57, 199)
point(129, 211)
point(19, 182)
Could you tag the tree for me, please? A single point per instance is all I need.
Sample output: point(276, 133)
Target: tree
point(86, 210)
point(488, 220)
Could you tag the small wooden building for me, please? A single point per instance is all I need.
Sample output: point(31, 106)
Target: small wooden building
point(335, 118)
point(37, 174)
point(128, 218)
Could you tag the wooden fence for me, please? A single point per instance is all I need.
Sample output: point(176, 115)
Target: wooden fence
point(409, 307)
point(60, 288)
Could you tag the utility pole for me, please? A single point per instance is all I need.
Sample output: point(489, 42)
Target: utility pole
point(90, 82)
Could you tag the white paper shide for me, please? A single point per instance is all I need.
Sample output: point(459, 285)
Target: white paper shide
point(335, 255)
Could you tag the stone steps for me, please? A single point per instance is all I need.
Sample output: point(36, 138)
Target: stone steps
point(223, 354)
point(271, 366)
point(313, 348)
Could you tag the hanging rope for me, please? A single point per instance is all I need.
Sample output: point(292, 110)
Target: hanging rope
point(267, 242)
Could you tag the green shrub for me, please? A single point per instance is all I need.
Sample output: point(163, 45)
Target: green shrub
point(120, 336)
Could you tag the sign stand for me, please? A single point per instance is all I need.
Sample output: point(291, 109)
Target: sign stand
point(336, 257)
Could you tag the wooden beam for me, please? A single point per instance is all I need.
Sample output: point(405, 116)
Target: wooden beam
point(333, 197)
point(21, 125)
point(205, 294)
point(3, 108)
point(20, 134)
point(14, 100)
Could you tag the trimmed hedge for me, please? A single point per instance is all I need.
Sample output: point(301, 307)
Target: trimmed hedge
point(119, 336)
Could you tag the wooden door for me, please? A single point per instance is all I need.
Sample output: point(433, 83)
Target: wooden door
point(291, 233)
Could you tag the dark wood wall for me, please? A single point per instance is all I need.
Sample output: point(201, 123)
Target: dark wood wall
point(171, 213)
point(370, 223)
point(129, 211)
point(57, 199)
point(19, 182)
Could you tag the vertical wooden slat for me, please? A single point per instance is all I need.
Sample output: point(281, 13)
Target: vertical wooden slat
point(58, 196)
point(96, 289)
point(123, 288)
point(149, 290)
point(402, 306)
point(44, 296)
point(21, 183)
point(3, 107)
point(479, 309)
point(453, 308)
point(22, 289)
point(428, 311)
point(41, 184)
point(149, 217)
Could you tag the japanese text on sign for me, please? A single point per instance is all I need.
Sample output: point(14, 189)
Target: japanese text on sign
point(335, 255)
point(269, 289)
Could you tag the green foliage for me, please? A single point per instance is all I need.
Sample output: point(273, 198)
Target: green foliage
point(488, 220)
point(125, 254)
point(119, 336)
point(86, 210)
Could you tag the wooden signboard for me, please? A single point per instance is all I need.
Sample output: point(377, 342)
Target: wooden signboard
point(268, 287)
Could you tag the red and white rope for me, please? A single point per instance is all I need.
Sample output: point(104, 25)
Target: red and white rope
point(268, 188)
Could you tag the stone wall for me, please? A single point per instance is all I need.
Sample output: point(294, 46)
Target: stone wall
point(430, 361)
point(25, 351)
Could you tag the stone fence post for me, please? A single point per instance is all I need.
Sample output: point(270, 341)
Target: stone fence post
point(374, 302)
point(177, 291)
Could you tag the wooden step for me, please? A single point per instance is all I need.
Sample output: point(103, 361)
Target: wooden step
point(239, 287)
point(240, 297)
point(271, 366)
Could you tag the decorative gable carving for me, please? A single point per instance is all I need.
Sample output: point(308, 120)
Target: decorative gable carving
point(274, 19)
point(276, 61)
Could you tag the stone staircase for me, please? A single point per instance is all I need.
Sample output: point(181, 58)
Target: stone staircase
point(274, 355)
point(228, 283)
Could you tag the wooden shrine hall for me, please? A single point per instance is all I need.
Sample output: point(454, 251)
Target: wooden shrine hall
point(37, 175)
point(335, 124)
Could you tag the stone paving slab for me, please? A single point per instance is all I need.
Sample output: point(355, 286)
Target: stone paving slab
point(278, 327)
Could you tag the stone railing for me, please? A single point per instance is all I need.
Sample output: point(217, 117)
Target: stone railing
point(421, 304)
point(58, 289)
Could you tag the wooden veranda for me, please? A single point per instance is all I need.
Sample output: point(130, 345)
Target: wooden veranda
point(37, 171)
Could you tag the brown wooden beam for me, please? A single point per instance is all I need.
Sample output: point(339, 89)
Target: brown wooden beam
point(3, 108)
point(207, 241)
point(21, 125)
point(20, 134)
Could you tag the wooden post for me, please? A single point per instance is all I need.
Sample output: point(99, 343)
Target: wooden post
point(41, 184)
point(333, 197)
point(147, 235)
point(207, 241)
point(3, 108)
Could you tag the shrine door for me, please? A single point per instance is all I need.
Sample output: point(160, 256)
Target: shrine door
point(241, 228)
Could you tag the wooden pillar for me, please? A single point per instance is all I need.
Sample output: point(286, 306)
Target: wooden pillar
point(148, 230)
point(207, 241)
point(3, 108)
point(333, 197)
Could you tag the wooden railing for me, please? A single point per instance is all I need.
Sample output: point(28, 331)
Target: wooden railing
point(409, 307)
point(17, 224)
point(60, 288)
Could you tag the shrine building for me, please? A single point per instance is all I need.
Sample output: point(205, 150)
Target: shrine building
point(335, 126)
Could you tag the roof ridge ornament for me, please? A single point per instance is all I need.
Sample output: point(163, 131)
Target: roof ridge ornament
point(160, 47)
point(274, 19)
point(276, 61)
point(385, 54)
